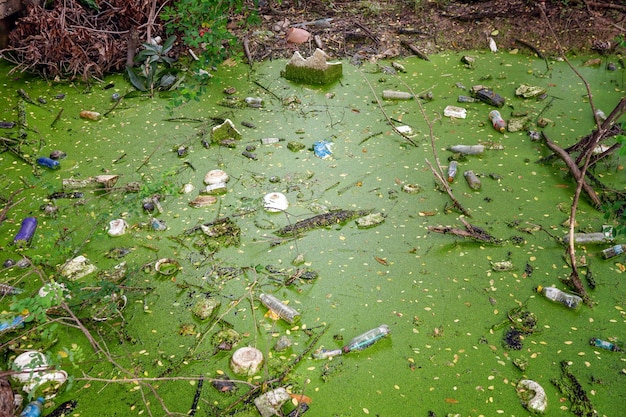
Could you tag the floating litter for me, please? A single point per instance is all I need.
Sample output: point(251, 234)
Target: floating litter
point(323, 149)
point(275, 202)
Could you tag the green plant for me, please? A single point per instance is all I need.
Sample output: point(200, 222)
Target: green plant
point(202, 25)
point(149, 77)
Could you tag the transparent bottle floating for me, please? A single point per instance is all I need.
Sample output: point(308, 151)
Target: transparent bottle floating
point(570, 301)
point(360, 342)
point(452, 170)
point(289, 314)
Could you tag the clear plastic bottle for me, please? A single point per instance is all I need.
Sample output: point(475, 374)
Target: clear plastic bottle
point(270, 141)
point(467, 149)
point(498, 122)
point(33, 408)
point(613, 251)
point(290, 315)
point(396, 95)
point(570, 301)
point(367, 339)
point(452, 170)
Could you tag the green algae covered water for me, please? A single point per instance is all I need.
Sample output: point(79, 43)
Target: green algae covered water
point(446, 303)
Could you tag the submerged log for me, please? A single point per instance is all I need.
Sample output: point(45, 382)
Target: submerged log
point(321, 220)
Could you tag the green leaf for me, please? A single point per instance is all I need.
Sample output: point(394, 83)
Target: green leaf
point(168, 44)
point(138, 83)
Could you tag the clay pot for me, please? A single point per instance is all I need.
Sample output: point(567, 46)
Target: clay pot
point(297, 35)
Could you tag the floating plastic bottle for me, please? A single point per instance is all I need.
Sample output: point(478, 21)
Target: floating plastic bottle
point(452, 170)
point(498, 122)
point(285, 312)
point(613, 251)
point(367, 339)
point(26, 232)
point(603, 344)
point(570, 301)
point(270, 141)
point(590, 238)
point(33, 408)
point(255, 102)
point(472, 180)
point(91, 115)
point(396, 95)
point(48, 162)
point(467, 149)
point(358, 343)
point(466, 99)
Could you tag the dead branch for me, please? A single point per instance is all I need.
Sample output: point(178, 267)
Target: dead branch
point(415, 50)
point(573, 168)
point(8, 205)
point(470, 231)
point(439, 172)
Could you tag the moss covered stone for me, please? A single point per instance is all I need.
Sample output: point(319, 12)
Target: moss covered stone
point(312, 70)
point(225, 131)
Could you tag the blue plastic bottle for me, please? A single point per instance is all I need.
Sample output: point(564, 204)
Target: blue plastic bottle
point(33, 408)
point(47, 162)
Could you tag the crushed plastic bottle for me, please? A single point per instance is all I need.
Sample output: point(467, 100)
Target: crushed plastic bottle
point(570, 301)
point(48, 162)
point(497, 121)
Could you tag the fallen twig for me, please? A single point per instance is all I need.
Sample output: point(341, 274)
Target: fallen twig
point(470, 231)
point(9, 204)
point(415, 50)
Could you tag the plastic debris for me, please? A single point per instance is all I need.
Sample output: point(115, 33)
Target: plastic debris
point(532, 395)
point(323, 149)
point(456, 112)
point(270, 403)
point(76, 268)
point(246, 361)
point(289, 314)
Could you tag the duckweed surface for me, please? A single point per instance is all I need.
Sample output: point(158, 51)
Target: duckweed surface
point(446, 307)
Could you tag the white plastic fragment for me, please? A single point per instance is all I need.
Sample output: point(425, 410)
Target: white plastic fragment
point(454, 111)
point(269, 404)
point(532, 395)
point(117, 227)
point(76, 268)
point(275, 202)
